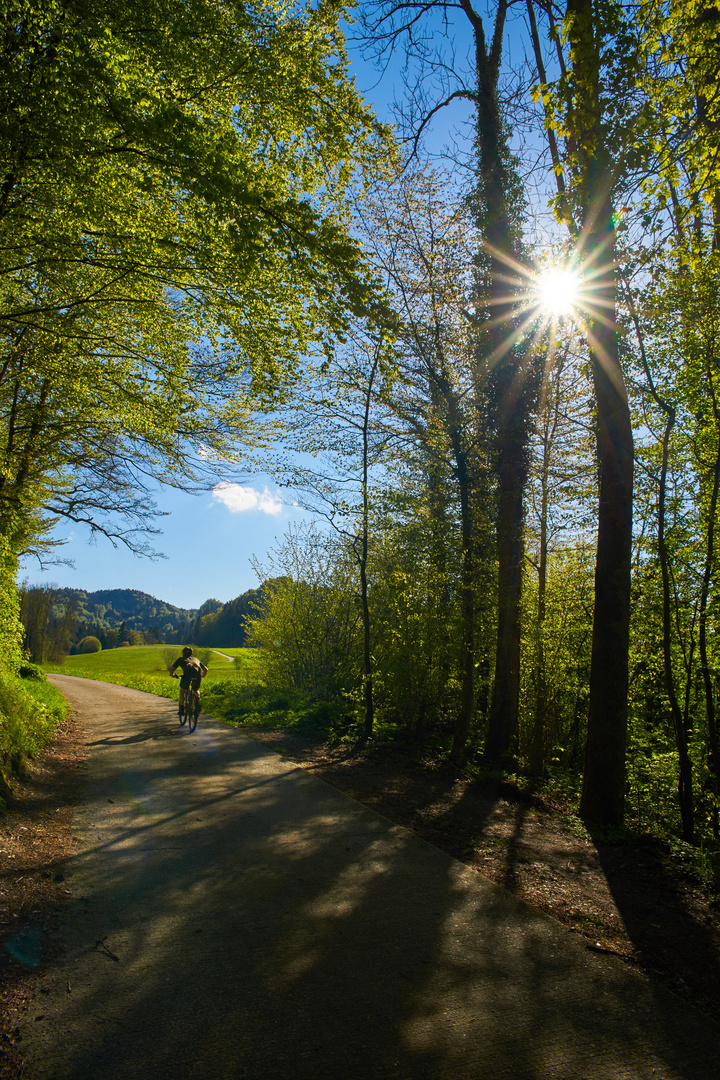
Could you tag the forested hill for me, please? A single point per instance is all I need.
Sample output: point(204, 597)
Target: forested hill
point(57, 620)
point(109, 608)
point(225, 624)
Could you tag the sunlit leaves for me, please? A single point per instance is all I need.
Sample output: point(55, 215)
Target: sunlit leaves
point(173, 236)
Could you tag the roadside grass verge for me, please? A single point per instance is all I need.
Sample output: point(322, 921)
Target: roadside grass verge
point(47, 695)
point(158, 684)
point(30, 711)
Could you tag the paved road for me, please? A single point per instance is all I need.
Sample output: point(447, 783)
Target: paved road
point(235, 918)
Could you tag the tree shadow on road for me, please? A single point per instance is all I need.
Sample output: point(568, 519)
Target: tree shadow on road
point(262, 925)
point(664, 919)
point(158, 731)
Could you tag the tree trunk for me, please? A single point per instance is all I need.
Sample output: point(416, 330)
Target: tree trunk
point(603, 791)
point(503, 719)
point(714, 747)
point(685, 787)
point(438, 556)
point(457, 434)
point(537, 745)
point(467, 647)
point(507, 375)
point(368, 701)
point(680, 717)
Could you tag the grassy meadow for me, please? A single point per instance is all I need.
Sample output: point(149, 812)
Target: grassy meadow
point(145, 667)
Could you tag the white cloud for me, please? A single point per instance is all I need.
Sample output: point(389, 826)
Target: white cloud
point(239, 499)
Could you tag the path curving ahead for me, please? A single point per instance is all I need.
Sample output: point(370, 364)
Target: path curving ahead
point(235, 918)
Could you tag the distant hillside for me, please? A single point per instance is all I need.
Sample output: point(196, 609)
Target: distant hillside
point(109, 608)
point(57, 620)
point(226, 625)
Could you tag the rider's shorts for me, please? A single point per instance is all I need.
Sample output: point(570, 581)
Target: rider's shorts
point(188, 681)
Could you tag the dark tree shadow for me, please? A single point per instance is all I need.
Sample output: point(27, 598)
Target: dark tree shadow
point(664, 919)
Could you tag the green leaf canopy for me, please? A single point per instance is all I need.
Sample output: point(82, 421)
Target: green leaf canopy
point(173, 236)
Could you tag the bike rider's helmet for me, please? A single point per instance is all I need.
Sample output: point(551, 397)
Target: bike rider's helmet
point(187, 651)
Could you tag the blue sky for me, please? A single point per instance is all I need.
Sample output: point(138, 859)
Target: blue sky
point(208, 540)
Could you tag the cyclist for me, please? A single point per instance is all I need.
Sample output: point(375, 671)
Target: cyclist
point(192, 673)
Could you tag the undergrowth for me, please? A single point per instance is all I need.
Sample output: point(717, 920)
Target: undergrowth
point(30, 711)
point(257, 706)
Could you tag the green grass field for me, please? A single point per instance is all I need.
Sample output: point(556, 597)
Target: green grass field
point(145, 667)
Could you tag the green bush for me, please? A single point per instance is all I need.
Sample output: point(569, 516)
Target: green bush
point(89, 645)
point(11, 629)
point(31, 671)
point(264, 707)
point(26, 722)
point(308, 625)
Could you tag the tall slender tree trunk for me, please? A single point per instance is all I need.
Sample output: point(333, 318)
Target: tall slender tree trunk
point(537, 745)
point(710, 557)
point(603, 792)
point(457, 434)
point(506, 371)
point(442, 655)
point(368, 699)
point(679, 716)
point(467, 646)
point(503, 718)
point(685, 786)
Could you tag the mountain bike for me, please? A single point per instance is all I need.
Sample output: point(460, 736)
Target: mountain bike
point(191, 709)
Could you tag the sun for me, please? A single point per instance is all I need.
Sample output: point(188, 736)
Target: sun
point(557, 289)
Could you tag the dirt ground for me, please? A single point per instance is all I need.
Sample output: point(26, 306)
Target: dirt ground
point(628, 898)
point(35, 839)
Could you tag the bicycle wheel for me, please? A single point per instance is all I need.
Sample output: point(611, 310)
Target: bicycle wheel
point(193, 710)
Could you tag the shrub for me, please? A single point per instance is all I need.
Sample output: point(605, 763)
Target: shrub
point(26, 725)
point(31, 671)
point(169, 656)
point(204, 656)
point(308, 625)
point(11, 629)
point(89, 645)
